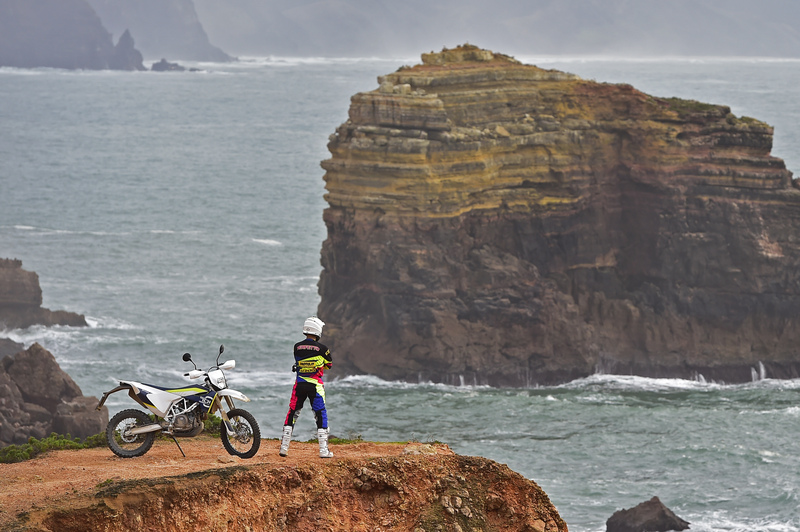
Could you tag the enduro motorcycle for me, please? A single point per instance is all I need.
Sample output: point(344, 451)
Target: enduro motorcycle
point(181, 411)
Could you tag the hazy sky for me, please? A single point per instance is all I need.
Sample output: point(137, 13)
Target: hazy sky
point(389, 28)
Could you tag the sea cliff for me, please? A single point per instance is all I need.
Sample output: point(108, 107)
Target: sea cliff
point(365, 487)
point(493, 222)
point(163, 28)
point(61, 34)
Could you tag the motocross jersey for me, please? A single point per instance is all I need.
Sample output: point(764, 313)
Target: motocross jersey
point(312, 359)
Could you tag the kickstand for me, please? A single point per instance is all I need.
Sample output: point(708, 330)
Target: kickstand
point(178, 444)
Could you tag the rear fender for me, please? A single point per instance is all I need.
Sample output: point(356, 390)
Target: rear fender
point(155, 400)
point(122, 386)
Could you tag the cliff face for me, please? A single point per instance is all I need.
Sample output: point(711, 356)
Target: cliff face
point(60, 34)
point(21, 300)
point(413, 492)
point(163, 28)
point(493, 222)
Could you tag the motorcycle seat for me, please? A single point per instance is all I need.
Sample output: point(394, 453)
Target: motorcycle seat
point(182, 390)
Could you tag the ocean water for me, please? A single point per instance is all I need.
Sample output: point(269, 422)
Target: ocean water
point(181, 211)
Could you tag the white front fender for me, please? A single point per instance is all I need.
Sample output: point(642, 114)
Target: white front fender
point(233, 393)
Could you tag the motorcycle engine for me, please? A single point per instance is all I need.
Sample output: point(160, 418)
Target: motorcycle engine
point(184, 422)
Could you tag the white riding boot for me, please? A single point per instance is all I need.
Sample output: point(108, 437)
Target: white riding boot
point(287, 438)
point(322, 436)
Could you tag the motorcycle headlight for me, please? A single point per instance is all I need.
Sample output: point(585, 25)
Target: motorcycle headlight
point(217, 378)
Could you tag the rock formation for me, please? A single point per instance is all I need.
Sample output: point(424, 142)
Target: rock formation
point(166, 66)
point(60, 34)
point(126, 56)
point(21, 300)
point(37, 398)
point(409, 493)
point(492, 222)
point(163, 28)
point(650, 515)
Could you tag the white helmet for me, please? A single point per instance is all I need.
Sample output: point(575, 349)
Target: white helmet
point(313, 325)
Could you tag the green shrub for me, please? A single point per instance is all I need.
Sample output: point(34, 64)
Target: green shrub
point(54, 442)
point(213, 425)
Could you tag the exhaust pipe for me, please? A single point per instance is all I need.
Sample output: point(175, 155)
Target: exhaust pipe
point(146, 428)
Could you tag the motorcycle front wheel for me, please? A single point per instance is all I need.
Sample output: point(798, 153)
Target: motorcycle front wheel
point(247, 436)
point(121, 441)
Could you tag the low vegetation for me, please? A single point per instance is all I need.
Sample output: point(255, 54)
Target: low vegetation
point(54, 442)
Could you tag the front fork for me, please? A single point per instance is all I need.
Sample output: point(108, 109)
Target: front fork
point(217, 406)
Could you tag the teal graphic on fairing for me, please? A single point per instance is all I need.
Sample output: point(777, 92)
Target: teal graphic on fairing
point(181, 412)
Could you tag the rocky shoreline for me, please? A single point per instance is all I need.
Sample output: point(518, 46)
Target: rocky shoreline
point(491, 222)
point(38, 398)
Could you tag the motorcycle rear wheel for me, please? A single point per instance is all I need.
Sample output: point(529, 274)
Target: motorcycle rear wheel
point(247, 438)
point(129, 445)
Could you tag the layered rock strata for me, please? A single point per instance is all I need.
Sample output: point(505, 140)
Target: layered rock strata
point(495, 223)
point(38, 398)
point(21, 300)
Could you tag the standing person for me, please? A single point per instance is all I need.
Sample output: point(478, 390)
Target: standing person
point(311, 359)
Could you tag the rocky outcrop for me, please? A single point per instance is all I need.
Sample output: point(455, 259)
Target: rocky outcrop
point(9, 347)
point(21, 300)
point(60, 34)
point(411, 493)
point(166, 66)
point(126, 56)
point(650, 516)
point(492, 222)
point(37, 398)
point(163, 28)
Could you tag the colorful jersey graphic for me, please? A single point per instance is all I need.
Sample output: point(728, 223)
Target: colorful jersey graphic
point(312, 359)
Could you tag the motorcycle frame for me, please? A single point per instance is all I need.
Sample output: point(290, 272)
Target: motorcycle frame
point(135, 390)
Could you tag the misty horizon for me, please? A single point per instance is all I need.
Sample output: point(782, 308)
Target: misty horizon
point(578, 28)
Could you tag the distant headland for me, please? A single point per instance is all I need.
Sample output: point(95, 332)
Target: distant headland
point(74, 34)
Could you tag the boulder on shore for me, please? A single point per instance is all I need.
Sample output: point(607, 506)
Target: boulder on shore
point(37, 398)
point(649, 516)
